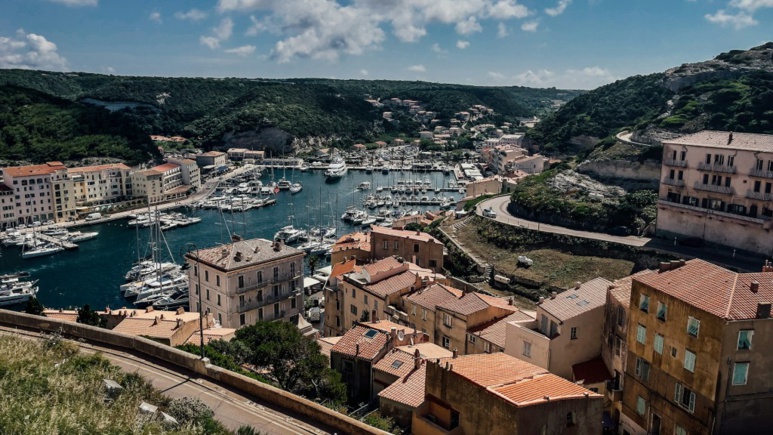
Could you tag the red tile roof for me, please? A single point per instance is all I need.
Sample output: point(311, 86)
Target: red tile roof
point(326, 344)
point(98, 168)
point(427, 350)
point(434, 295)
point(542, 389)
point(573, 302)
point(473, 302)
point(714, 289)
point(409, 389)
point(353, 241)
point(382, 265)
point(165, 167)
point(411, 235)
point(622, 290)
point(591, 372)
point(356, 338)
point(494, 331)
point(393, 284)
point(396, 363)
point(342, 268)
point(33, 170)
point(213, 154)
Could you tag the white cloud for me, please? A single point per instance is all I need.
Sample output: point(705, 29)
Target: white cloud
point(559, 8)
point(417, 68)
point(244, 50)
point(461, 45)
point(495, 75)
point(534, 78)
point(328, 29)
point(437, 49)
point(221, 33)
point(191, 15)
point(30, 51)
point(530, 26)
point(209, 41)
point(585, 78)
point(75, 3)
point(155, 17)
point(502, 30)
point(737, 21)
point(364, 72)
point(751, 5)
point(109, 69)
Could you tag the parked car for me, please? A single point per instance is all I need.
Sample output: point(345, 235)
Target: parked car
point(693, 242)
point(489, 213)
point(621, 231)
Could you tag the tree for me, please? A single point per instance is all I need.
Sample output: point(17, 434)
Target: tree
point(313, 261)
point(34, 307)
point(413, 226)
point(89, 317)
point(291, 360)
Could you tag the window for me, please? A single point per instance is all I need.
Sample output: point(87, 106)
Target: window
point(641, 334)
point(684, 397)
point(573, 333)
point(195, 270)
point(642, 370)
point(527, 349)
point(446, 342)
point(413, 309)
point(354, 293)
point(644, 303)
point(260, 313)
point(241, 281)
point(620, 316)
point(365, 299)
point(679, 430)
point(671, 174)
point(447, 320)
point(218, 299)
point(207, 294)
point(206, 275)
point(471, 338)
point(689, 361)
point(197, 289)
point(693, 326)
point(217, 280)
point(415, 247)
point(241, 320)
point(658, 344)
point(276, 272)
point(641, 406)
point(486, 347)
point(662, 311)
point(618, 345)
point(396, 245)
point(745, 339)
point(386, 244)
point(683, 155)
point(293, 303)
point(432, 264)
point(740, 373)
point(353, 310)
point(673, 352)
point(553, 328)
point(730, 161)
point(260, 276)
point(260, 295)
point(423, 314)
point(544, 324)
point(292, 269)
point(708, 159)
point(276, 291)
point(569, 419)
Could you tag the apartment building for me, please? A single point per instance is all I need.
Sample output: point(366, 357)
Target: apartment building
point(351, 246)
point(699, 358)
point(159, 184)
point(211, 158)
point(41, 192)
point(421, 306)
point(416, 247)
point(7, 207)
point(334, 298)
point(101, 184)
point(456, 320)
point(189, 171)
point(500, 395)
point(718, 186)
point(566, 330)
point(247, 281)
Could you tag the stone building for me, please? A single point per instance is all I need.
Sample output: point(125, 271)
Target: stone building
point(416, 247)
point(457, 320)
point(247, 281)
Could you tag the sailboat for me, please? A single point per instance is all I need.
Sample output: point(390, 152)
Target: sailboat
point(39, 250)
point(296, 187)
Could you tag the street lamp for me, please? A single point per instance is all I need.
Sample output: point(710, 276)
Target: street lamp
point(191, 247)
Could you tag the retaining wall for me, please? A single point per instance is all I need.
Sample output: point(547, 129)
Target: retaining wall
point(261, 391)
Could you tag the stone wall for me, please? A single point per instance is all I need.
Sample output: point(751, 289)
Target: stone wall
point(185, 360)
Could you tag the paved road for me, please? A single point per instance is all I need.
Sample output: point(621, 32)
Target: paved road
point(625, 136)
point(231, 408)
point(727, 258)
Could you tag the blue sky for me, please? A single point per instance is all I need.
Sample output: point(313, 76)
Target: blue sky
point(541, 43)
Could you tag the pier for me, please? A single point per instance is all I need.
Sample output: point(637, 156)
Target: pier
point(64, 244)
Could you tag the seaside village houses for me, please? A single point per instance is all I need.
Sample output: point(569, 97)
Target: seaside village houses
point(53, 192)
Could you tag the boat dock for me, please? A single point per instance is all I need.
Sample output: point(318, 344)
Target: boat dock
point(59, 242)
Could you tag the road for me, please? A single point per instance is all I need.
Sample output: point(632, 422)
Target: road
point(232, 408)
point(729, 258)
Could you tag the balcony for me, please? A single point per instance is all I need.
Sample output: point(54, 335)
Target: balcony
point(251, 286)
point(709, 212)
point(759, 195)
point(727, 190)
point(266, 300)
point(761, 173)
point(284, 277)
point(673, 182)
point(677, 163)
point(717, 168)
point(614, 392)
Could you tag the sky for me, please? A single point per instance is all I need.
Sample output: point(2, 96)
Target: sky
point(577, 44)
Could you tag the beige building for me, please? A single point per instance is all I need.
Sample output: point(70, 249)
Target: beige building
point(416, 247)
point(699, 358)
point(211, 158)
point(421, 306)
point(102, 184)
point(485, 186)
point(159, 184)
point(718, 186)
point(236, 154)
point(351, 246)
point(7, 207)
point(456, 320)
point(41, 192)
point(566, 331)
point(189, 171)
point(334, 298)
point(247, 281)
point(497, 394)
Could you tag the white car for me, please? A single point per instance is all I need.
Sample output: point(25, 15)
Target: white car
point(489, 213)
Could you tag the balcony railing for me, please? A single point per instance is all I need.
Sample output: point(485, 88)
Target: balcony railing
point(759, 195)
point(673, 182)
point(716, 168)
point(708, 212)
point(284, 277)
point(266, 300)
point(714, 188)
point(251, 286)
point(761, 173)
point(678, 163)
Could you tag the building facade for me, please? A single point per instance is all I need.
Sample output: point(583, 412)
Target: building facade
point(102, 184)
point(416, 247)
point(718, 186)
point(211, 158)
point(189, 171)
point(41, 192)
point(247, 281)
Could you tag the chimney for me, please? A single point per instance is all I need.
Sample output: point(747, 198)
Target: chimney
point(755, 286)
point(180, 311)
point(553, 295)
point(510, 301)
point(149, 309)
point(763, 310)
point(730, 138)
point(577, 285)
point(278, 245)
point(541, 300)
point(768, 267)
point(393, 334)
point(455, 353)
point(179, 323)
point(155, 319)
point(162, 316)
point(357, 349)
point(664, 267)
point(373, 316)
point(416, 359)
point(238, 256)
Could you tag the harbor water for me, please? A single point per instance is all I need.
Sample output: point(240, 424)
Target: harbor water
point(92, 273)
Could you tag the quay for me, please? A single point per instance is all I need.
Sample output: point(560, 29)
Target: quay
point(59, 242)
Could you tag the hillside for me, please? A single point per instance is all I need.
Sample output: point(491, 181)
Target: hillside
point(733, 91)
point(211, 111)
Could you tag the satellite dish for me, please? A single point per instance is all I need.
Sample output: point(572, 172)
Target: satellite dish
point(400, 335)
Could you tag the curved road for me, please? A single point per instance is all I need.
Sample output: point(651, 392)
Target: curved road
point(232, 408)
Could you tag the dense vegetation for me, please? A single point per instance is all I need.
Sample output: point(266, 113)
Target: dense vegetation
point(39, 127)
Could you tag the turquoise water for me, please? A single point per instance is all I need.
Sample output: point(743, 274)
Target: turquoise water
point(92, 273)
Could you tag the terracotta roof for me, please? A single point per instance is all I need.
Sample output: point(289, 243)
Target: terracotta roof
point(434, 295)
point(426, 350)
point(382, 265)
point(342, 268)
point(253, 251)
point(714, 289)
point(225, 334)
point(165, 167)
point(97, 168)
point(489, 369)
point(591, 371)
point(622, 290)
point(473, 302)
point(33, 170)
point(385, 326)
point(411, 235)
point(572, 302)
point(139, 326)
point(65, 315)
point(721, 139)
point(371, 342)
point(353, 241)
point(393, 284)
point(541, 389)
point(396, 363)
point(213, 154)
point(326, 344)
point(494, 331)
point(409, 389)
